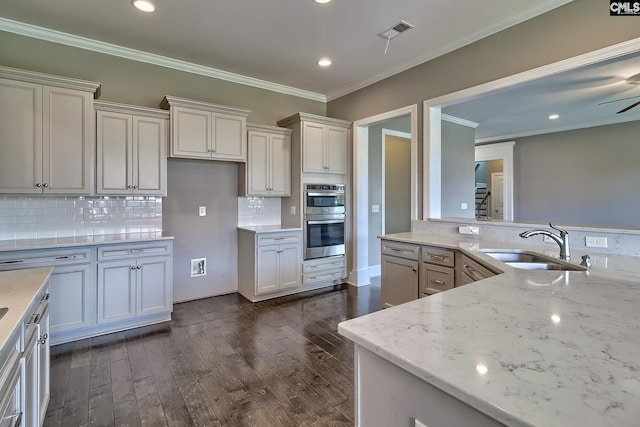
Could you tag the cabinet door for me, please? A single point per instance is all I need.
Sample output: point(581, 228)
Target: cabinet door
point(190, 133)
point(114, 151)
point(336, 150)
point(30, 371)
point(267, 273)
point(313, 147)
point(289, 262)
point(68, 141)
point(116, 290)
point(153, 286)
point(20, 137)
point(229, 137)
point(399, 281)
point(149, 156)
point(43, 367)
point(434, 278)
point(73, 297)
point(280, 166)
point(11, 409)
point(258, 164)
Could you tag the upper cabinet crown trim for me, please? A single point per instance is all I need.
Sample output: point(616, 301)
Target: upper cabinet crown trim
point(258, 127)
point(174, 101)
point(50, 80)
point(301, 117)
point(114, 107)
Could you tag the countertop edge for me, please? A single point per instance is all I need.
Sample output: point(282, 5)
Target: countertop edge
point(111, 240)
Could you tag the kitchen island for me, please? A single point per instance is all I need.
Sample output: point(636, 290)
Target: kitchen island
point(522, 348)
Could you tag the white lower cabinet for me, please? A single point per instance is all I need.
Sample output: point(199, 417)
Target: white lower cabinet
point(102, 288)
point(133, 287)
point(269, 264)
point(11, 383)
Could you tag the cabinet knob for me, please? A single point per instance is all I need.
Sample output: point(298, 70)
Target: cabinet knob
point(133, 267)
point(38, 185)
point(45, 185)
point(135, 187)
point(43, 339)
point(129, 186)
point(415, 270)
point(138, 267)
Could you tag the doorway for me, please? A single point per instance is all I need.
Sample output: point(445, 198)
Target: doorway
point(366, 246)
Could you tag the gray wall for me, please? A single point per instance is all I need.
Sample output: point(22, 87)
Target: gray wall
point(402, 124)
point(562, 33)
point(397, 184)
point(587, 176)
point(190, 183)
point(458, 170)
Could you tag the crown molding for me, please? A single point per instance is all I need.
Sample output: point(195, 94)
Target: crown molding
point(49, 79)
point(459, 121)
point(150, 58)
point(302, 117)
point(115, 107)
point(174, 101)
point(259, 127)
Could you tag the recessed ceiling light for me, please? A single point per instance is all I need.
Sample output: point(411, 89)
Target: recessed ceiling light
point(554, 116)
point(322, 1)
point(324, 62)
point(144, 5)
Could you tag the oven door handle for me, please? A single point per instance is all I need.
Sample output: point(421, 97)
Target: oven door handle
point(326, 221)
point(325, 194)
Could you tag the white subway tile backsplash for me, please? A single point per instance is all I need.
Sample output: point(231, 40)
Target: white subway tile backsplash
point(47, 217)
point(258, 211)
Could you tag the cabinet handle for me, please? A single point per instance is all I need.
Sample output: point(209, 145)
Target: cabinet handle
point(437, 282)
point(438, 257)
point(45, 185)
point(45, 297)
point(279, 238)
point(279, 252)
point(474, 273)
point(38, 185)
point(35, 318)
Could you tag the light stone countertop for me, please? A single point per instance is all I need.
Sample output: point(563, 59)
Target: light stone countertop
point(18, 288)
point(258, 229)
point(559, 348)
point(63, 242)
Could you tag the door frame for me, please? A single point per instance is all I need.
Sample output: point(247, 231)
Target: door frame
point(359, 274)
point(501, 151)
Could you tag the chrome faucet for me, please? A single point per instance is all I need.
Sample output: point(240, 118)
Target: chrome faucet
point(562, 240)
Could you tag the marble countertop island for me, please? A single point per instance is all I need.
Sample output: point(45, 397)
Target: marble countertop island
point(527, 348)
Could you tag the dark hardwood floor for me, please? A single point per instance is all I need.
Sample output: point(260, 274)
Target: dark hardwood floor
point(221, 361)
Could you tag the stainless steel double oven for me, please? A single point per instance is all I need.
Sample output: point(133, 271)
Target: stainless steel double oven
point(324, 216)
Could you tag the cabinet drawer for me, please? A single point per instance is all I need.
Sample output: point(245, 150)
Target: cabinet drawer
point(438, 256)
point(324, 264)
point(278, 238)
point(44, 258)
point(9, 356)
point(107, 252)
point(434, 278)
point(321, 276)
point(474, 270)
point(402, 250)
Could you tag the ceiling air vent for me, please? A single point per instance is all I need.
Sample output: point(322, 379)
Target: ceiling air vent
point(396, 30)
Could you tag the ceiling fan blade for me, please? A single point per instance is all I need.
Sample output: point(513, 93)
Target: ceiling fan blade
point(635, 104)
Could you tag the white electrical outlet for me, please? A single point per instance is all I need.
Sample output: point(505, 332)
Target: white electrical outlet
point(292, 210)
point(469, 230)
point(375, 208)
point(595, 242)
point(202, 211)
point(463, 206)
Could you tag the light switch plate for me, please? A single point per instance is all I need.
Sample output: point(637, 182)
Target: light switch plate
point(463, 206)
point(375, 208)
point(202, 211)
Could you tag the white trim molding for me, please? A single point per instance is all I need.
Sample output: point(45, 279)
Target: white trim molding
point(459, 121)
point(54, 36)
point(360, 185)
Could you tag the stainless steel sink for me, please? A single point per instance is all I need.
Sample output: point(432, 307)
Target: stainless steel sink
point(531, 260)
point(3, 311)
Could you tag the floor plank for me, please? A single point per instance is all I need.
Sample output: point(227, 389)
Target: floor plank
point(221, 361)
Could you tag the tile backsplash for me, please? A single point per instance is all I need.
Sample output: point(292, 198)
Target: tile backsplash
point(29, 217)
point(258, 211)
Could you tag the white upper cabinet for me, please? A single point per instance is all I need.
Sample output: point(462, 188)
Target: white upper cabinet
point(131, 149)
point(200, 130)
point(47, 134)
point(324, 142)
point(268, 169)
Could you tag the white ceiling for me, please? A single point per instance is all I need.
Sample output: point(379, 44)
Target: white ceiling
point(277, 41)
point(577, 96)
